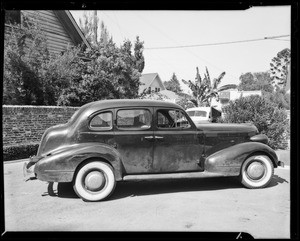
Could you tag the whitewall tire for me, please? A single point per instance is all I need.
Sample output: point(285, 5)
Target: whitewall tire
point(257, 171)
point(94, 181)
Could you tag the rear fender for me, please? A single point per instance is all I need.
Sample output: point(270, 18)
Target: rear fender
point(229, 160)
point(60, 165)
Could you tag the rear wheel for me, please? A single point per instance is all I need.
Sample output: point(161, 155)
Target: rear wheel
point(257, 171)
point(94, 181)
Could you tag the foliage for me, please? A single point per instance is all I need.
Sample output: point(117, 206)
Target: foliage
point(279, 67)
point(279, 97)
point(153, 96)
point(111, 73)
point(20, 151)
point(173, 84)
point(265, 115)
point(184, 101)
point(32, 76)
point(256, 81)
point(25, 59)
point(205, 90)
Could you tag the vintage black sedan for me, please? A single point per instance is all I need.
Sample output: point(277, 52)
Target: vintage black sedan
point(108, 141)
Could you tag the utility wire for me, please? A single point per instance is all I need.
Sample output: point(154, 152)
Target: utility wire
point(223, 43)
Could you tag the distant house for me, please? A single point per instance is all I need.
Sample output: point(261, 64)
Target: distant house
point(151, 82)
point(59, 25)
point(233, 94)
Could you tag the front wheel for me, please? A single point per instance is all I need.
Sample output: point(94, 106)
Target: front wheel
point(94, 181)
point(257, 171)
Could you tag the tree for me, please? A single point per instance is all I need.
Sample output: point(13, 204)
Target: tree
point(111, 73)
point(33, 76)
point(25, 58)
point(153, 96)
point(173, 84)
point(138, 54)
point(205, 90)
point(89, 27)
point(256, 81)
point(279, 68)
point(264, 114)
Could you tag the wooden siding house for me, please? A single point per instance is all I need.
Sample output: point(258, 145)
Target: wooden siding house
point(59, 25)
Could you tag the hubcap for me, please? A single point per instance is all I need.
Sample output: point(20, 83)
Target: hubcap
point(255, 170)
point(94, 181)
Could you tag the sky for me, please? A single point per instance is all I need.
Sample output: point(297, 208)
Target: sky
point(212, 29)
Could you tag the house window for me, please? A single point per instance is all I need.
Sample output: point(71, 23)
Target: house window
point(156, 89)
point(12, 16)
point(149, 90)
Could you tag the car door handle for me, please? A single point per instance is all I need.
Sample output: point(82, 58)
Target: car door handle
point(158, 137)
point(149, 138)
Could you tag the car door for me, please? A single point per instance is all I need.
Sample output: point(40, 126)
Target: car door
point(177, 146)
point(134, 139)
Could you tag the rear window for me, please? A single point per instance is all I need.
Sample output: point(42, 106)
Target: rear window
point(102, 121)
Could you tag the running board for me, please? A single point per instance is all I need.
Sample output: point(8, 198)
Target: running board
point(172, 176)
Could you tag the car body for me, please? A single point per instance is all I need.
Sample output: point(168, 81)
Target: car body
point(201, 115)
point(106, 141)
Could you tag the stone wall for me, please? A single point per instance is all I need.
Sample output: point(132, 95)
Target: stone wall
point(26, 124)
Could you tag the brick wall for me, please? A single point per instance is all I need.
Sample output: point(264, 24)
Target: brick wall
point(26, 124)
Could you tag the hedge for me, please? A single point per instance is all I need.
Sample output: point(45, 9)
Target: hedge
point(20, 151)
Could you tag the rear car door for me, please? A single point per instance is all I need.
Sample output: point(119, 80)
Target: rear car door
point(134, 138)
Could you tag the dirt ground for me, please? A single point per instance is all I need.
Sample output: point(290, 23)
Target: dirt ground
point(178, 204)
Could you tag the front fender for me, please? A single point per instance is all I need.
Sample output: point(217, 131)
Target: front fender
point(229, 160)
point(60, 165)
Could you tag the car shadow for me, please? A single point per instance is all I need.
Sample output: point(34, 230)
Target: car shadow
point(161, 186)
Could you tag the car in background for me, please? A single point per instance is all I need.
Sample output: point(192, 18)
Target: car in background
point(203, 114)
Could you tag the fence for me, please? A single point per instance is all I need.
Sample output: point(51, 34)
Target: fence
point(26, 124)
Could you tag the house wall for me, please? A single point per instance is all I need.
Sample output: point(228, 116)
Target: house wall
point(57, 37)
point(156, 84)
point(26, 124)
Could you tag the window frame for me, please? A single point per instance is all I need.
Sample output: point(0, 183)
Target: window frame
point(134, 128)
point(173, 128)
point(108, 128)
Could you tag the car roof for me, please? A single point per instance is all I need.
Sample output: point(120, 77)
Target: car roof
point(117, 103)
point(199, 108)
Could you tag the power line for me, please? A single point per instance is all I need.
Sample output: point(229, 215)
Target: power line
point(222, 43)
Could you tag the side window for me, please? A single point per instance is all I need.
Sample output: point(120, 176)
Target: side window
point(134, 119)
point(102, 121)
point(172, 119)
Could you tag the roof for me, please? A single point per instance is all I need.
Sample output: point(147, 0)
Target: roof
point(170, 94)
point(147, 79)
point(71, 27)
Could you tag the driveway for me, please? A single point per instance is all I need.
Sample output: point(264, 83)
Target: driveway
point(177, 204)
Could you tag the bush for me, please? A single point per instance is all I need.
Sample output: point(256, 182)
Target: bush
point(265, 115)
point(15, 152)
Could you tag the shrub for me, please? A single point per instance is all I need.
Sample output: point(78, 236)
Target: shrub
point(265, 115)
point(15, 152)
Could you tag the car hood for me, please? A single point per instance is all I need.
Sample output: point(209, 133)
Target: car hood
point(227, 128)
